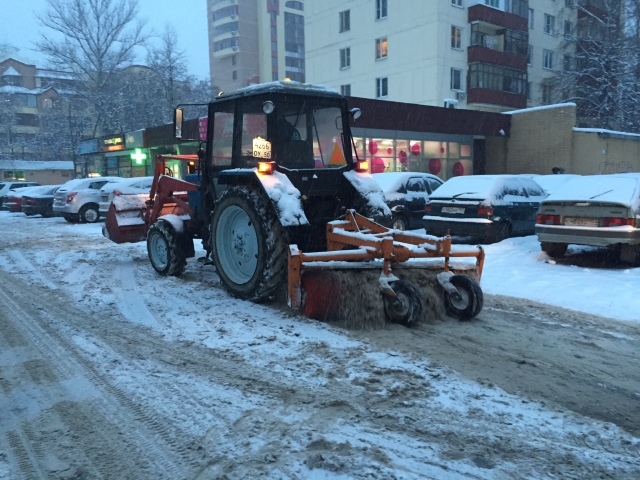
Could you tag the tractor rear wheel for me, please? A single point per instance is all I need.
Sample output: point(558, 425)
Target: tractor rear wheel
point(467, 302)
point(166, 250)
point(406, 307)
point(248, 245)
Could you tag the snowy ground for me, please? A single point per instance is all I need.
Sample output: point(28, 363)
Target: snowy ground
point(183, 381)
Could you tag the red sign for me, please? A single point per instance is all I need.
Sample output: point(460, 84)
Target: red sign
point(435, 165)
point(373, 147)
point(458, 169)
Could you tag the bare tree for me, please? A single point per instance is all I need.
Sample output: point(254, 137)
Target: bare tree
point(168, 62)
point(602, 79)
point(99, 38)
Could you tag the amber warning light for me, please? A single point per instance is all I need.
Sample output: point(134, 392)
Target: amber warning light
point(362, 167)
point(266, 168)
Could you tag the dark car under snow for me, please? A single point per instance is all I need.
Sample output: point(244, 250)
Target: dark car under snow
point(406, 194)
point(489, 208)
point(39, 201)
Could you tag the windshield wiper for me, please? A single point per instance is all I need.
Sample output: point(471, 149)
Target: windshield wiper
point(600, 194)
point(463, 193)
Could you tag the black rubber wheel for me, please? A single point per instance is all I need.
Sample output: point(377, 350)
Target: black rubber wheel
point(554, 249)
point(89, 213)
point(406, 307)
point(166, 249)
point(71, 218)
point(399, 222)
point(249, 245)
point(468, 303)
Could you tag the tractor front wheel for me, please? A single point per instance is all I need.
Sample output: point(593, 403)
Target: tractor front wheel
point(248, 245)
point(166, 250)
point(405, 307)
point(467, 302)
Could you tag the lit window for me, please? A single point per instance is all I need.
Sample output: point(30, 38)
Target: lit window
point(382, 87)
point(456, 37)
point(381, 48)
point(345, 57)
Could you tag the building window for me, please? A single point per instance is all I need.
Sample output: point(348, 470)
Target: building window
point(274, 46)
point(226, 43)
point(274, 61)
point(549, 24)
point(225, 28)
point(274, 76)
point(345, 21)
point(456, 3)
point(381, 9)
point(494, 77)
point(492, 3)
point(547, 93)
point(382, 87)
point(381, 48)
point(531, 19)
point(456, 79)
point(568, 3)
point(528, 91)
point(295, 5)
point(567, 29)
point(530, 55)
point(273, 16)
point(456, 37)
point(547, 59)
point(225, 12)
point(234, 75)
point(274, 31)
point(345, 90)
point(234, 59)
point(345, 57)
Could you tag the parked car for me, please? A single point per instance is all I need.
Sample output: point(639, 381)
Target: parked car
point(125, 186)
point(488, 207)
point(77, 200)
point(13, 200)
point(6, 187)
point(39, 201)
point(406, 194)
point(550, 183)
point(598, 210)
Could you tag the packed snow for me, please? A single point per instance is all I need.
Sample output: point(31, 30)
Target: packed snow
point(309, 356)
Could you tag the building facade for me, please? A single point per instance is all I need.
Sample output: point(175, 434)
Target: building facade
point(473, 54)
point(255, 41)
point(32, 110)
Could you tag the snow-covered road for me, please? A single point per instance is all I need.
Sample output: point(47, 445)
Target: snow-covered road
point(109, 371)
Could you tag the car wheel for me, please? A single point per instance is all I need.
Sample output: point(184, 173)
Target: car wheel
point(71, 218)
point(399, 222)
point(89, 213)
point(554, 249)
point(249, 245)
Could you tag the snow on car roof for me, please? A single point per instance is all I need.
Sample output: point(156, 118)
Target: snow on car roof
point(550, 183)
point(122, 182)
point(623, 189)
point(80, 182)
point(471, 186)
point(392, 181)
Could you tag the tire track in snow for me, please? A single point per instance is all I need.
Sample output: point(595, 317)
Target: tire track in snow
point(30, 270)
point(78, 279)
point(130, 304)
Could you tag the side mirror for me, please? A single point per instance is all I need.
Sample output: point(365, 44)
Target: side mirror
point(355, 113)
point(177, 123)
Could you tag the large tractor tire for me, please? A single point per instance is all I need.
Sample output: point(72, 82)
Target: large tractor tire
point(166, 249)
point(248, 245)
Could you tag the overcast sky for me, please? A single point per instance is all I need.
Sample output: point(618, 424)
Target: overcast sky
point(19, 27)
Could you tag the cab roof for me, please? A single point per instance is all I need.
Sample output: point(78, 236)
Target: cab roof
point(285, 87)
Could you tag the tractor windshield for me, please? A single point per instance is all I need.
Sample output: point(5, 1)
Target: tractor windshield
point(309, 136)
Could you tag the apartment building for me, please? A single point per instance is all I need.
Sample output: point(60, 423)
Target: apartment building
point(29, 103)
point(493, 55)
point(255, 41)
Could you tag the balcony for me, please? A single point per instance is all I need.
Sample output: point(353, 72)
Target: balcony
point(225, 47)
point(493, 16)
point(495, 57)
point(497, 85)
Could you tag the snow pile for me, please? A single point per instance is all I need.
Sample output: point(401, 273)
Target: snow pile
point(286, 197)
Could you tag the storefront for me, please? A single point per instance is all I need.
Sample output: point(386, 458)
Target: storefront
point(397, 151)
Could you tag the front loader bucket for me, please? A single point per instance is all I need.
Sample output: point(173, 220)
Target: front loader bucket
point(125, 221)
